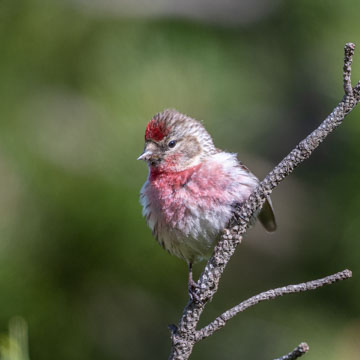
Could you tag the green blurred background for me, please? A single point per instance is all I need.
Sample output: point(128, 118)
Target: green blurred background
point(78, 82)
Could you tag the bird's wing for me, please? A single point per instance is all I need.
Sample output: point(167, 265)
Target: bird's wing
point(267, 217)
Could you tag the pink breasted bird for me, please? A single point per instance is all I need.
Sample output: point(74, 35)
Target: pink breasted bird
point(192, 187)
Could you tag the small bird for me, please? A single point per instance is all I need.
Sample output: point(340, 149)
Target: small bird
point(192, 188)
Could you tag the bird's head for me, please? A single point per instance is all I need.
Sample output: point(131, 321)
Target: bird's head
point(175, 142)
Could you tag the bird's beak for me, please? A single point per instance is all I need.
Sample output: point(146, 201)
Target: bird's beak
point(146, 155)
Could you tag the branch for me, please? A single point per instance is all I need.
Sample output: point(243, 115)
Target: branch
point(183, 337)
point(349, 52)
point(300, 350)
point(220, 321)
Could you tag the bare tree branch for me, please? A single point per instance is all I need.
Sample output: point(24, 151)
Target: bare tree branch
point(300, 350)
point(184, 336)
point(221, 320)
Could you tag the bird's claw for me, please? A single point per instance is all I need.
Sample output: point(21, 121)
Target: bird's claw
point(173, 328)
point(193, 286)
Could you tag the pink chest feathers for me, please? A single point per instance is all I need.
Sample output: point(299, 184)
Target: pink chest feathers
point(199, 196)
point(187, 210)
point(191, 192)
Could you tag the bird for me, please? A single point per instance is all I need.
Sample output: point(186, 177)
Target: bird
point(192, 188)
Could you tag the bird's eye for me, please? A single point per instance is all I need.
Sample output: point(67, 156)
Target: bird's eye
point(172, 143)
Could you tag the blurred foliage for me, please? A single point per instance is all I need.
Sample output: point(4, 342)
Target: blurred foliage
point(77, 260)
point(14, 345)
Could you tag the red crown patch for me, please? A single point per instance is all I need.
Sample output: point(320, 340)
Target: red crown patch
point(155, 130)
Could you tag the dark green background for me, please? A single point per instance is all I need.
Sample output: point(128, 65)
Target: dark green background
point(77, 260)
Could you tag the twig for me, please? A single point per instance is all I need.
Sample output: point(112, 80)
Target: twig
point(183, 337)
point(220, 321)
point(300, 350)
point(349, 52)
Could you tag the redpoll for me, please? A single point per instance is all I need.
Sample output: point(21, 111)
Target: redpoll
point(192, 187)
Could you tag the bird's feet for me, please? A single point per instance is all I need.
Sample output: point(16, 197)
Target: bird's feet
point(173, 328)
point(193, 286)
